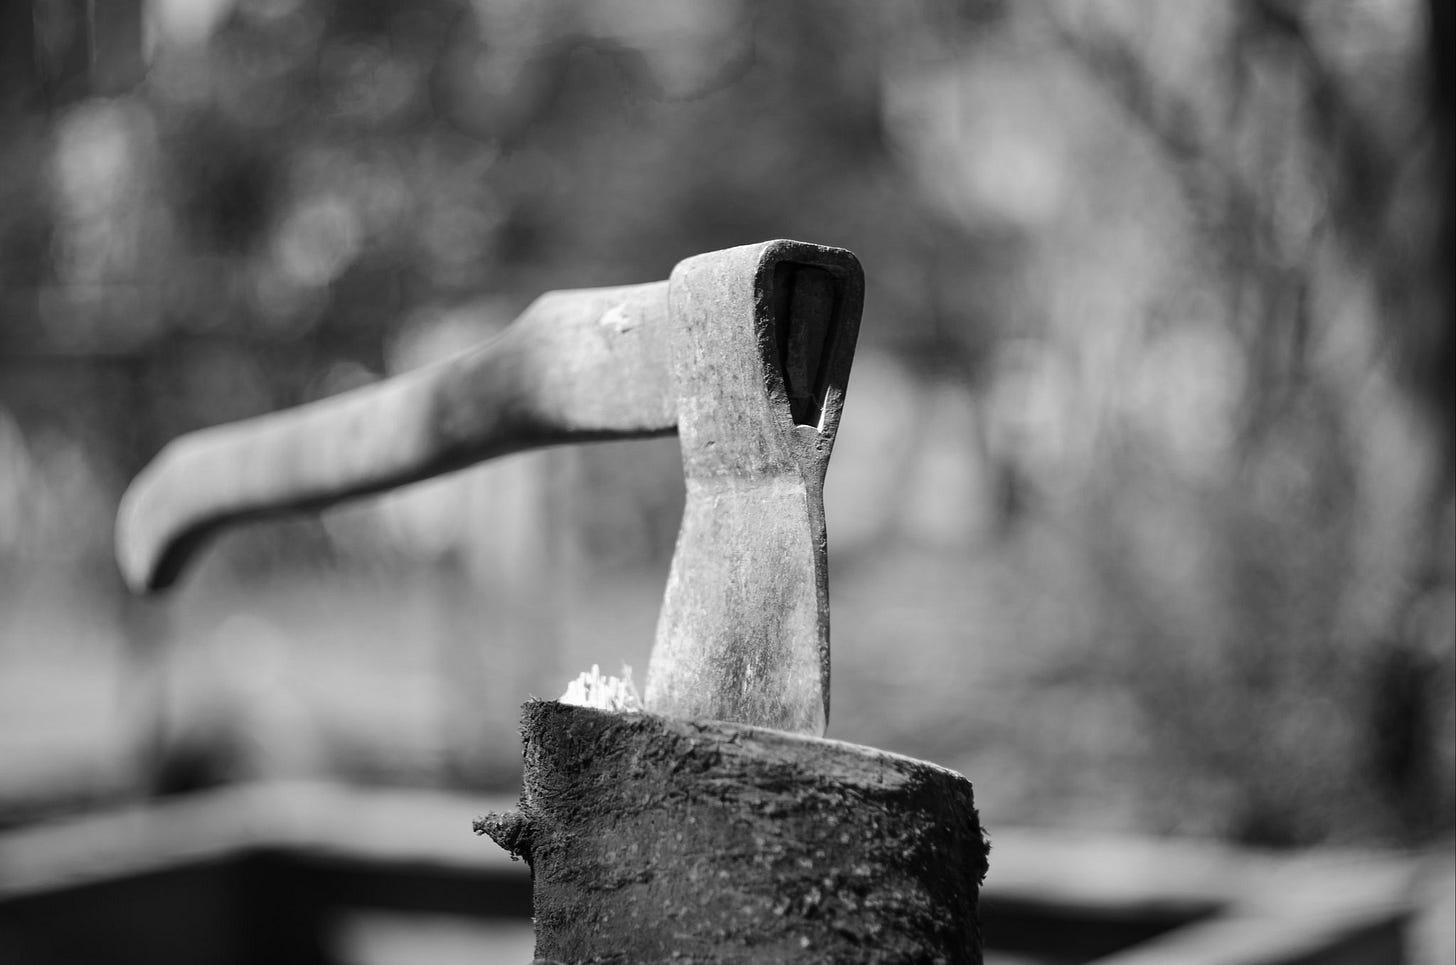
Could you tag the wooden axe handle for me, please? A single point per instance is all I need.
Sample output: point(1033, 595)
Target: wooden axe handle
point(575, 366)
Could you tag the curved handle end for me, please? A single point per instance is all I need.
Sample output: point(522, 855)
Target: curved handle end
point(150, 558)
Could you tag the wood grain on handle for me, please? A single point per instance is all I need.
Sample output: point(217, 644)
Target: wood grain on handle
point(575, 366)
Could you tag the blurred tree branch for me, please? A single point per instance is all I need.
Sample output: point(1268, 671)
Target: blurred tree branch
point(1373, 142)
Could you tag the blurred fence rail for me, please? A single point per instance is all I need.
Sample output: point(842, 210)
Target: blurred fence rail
point(327, 867)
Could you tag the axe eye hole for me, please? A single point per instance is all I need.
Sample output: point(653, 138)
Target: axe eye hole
point(805, 305)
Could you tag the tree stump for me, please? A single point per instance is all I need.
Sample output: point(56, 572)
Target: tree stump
point(652, 839)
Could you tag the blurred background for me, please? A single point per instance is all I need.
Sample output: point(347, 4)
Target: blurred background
point(1141, 510)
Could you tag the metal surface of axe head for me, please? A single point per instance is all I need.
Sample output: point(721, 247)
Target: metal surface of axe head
point(745, 352)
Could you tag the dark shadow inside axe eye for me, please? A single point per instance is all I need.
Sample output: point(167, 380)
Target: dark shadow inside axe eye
point(805, 305)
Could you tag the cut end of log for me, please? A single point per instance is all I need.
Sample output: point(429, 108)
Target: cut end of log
point(655, 839)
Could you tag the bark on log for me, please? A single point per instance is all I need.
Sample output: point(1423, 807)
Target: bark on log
point(652, 839)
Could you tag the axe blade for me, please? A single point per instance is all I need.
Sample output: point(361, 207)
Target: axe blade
point(762, 341)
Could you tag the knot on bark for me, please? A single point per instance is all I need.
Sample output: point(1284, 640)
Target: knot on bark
point(512, 831)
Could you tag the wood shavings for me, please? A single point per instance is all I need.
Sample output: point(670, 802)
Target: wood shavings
point(591, 689)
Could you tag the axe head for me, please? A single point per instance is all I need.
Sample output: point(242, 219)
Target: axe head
point(762, 338)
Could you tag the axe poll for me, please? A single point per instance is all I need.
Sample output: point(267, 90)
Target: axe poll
point(744, 352)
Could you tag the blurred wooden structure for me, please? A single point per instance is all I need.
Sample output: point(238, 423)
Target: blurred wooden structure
point(269, 873)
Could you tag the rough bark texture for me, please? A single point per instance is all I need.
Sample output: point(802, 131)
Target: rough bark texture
point(652, 839)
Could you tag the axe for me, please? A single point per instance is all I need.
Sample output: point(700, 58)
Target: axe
point(744, 352)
